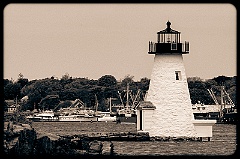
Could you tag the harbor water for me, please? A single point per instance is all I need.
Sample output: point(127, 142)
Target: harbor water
point(222, 143)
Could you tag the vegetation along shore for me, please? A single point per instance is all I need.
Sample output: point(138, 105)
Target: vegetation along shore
point(50, 93)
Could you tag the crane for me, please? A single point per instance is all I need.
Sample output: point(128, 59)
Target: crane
point(213, 96)
point(230, 100)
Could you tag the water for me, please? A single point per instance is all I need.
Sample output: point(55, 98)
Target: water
point(223, 141)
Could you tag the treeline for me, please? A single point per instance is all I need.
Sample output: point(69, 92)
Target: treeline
point(198, 89)
point(47, 93)
point(50, 93)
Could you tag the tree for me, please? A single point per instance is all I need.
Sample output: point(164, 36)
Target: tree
point(69, 94)
point(198, 91)
point(7, 86)
point(144, 84)
point(107, 81)
point(63, 104)
point(127, 79)
point(12, 90)
point(65, 77)
point(221, 79)
point(229, 84)
point(211, 84)
point(93, 82)
point(21, 80)
point(108, 88)
point(49, 102)
point(38, 89)
point(6, 81)
point(33, 100)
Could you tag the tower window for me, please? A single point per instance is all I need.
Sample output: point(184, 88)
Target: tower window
point(178, 75)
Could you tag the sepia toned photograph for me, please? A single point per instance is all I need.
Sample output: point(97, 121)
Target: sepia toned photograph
point(118, 80)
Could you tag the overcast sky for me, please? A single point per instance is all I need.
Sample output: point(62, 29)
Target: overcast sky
point(92, 40)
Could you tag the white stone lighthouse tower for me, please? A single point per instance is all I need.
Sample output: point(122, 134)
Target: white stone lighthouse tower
point(168, 90)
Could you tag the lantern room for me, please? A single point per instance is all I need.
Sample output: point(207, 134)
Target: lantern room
point(168, 41)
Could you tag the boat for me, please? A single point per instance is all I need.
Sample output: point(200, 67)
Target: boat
point(78, 118)
point(106, 117)
point(230, 117)
point(225, 112)
point(127, 113)
point(229, 109)
point(200, 111)
point(47, 115)
point(77, 112)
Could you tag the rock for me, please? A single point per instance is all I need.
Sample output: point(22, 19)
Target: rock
point(166, 138)
point(51, 136)
point(43, 146)
point(85, 143)
point(17, 129)
point(180, 138)
point(95, 147)
point(108, 148)
point(27, 126)
point(63, 146)
point(25, 143)
point(10, 126)
point(18, 137)
point(8, 145)
point(158, 138)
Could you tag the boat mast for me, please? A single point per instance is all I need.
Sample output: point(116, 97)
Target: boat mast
point(221, 113)
point(229, 99)
point(119, 94)
point(127, 103)
point(135, 102)
point(213, 96)
point(110, 105)
point(96, 103)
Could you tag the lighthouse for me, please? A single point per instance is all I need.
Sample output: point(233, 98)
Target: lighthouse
point(171, 111)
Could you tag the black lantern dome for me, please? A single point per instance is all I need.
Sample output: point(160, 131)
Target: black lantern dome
point(168, 41)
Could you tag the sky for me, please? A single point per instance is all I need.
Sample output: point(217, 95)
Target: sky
point(93, 40)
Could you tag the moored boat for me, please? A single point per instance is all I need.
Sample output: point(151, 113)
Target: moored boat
point(78, 118)
point(47, 115)
point(127, 113)
point(106, 117)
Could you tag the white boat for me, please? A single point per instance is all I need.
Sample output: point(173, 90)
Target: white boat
point(128, 114)
point(78, 118)
point(47, 115)
point(76, 113)
point(227, 109)
point(105, 117)
point(200, 111)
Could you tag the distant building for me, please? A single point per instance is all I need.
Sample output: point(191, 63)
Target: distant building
point(11, 106)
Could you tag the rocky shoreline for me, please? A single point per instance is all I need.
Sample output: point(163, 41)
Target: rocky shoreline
point(23, 140)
